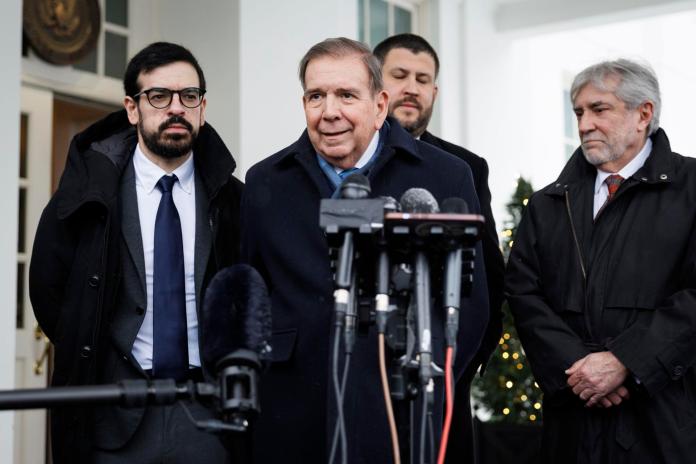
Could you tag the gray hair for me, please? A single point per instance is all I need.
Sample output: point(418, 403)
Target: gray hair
point(341, 47)
point(637, 85)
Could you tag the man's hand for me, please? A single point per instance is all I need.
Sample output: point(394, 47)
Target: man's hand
point(597, 377)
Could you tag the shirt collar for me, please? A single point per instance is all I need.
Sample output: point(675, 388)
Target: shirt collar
point(147, 173)
point(366, 156)
point(627, 171)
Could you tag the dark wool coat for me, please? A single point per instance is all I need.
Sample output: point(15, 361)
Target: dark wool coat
point(282, 238)
point(637, 299)
point(461, 446)
point(75, 274)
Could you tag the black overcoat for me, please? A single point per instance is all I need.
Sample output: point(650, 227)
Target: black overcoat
point(282, 238)
point(75, 269)
point(625, 282)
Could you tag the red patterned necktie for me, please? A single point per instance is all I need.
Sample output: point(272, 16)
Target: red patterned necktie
point(613, 183)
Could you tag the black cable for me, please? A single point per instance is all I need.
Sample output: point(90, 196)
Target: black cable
point(431, 437)
point(334, 441)
point(424, 415)
point(339, 401)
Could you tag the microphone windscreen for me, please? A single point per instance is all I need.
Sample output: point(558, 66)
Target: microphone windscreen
point(391, 205)
point(356, 186)
point(418, 200)
point(454, 205)
point(236, 314)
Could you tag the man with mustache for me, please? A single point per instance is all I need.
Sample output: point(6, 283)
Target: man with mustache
point(146, 212)
point(410, 67)
point(347, 131)
point(602, 282)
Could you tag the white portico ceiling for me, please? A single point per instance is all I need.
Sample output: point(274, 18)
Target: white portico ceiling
point(534, 16)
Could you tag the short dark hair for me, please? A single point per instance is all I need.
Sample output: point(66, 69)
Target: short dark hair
point(341, 47)
point(153, 56)
point(412, 42)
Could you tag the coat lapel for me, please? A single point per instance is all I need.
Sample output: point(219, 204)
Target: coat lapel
point(130, 228)
point(203, 237)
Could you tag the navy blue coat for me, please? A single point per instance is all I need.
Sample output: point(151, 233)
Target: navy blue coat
point(281, 237)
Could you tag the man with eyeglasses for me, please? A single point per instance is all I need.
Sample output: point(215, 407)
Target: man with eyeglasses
point(146, 212)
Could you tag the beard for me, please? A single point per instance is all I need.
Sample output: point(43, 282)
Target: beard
point(597, 158)
point(417, 127)
point(169, 146)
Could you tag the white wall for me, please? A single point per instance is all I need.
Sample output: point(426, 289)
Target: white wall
point(275, 34)
point(210, 29)
point(512, 98)
point(10, 49)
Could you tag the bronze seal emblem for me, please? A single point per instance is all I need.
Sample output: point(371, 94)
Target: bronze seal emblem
point(61, 31)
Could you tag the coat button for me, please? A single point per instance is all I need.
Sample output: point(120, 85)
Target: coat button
point(86, 351)
point(139, 311)
point(93, 281)
point(677, 372)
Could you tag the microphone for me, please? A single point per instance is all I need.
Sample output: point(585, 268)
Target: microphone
point(355, 187)
point(235, 325)
point(453, 275)
point(382, 293)
point(418, 200)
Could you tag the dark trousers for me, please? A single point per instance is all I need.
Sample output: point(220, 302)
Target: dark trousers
point(166, 435)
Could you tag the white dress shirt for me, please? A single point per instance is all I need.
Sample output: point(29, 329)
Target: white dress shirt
point(147, 174)
point(366, 156)
point(601, 191)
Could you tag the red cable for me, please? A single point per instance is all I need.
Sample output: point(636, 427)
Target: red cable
point(449, 406)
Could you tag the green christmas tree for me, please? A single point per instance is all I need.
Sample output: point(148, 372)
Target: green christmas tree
point(507, 389)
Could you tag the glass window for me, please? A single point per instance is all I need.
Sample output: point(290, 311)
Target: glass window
point(22, 219)
point(23, 121)
point(570, 124)
point(115, 56)
point(402, 20)
point(20, 295)
point(379, 21)
point(117, 12)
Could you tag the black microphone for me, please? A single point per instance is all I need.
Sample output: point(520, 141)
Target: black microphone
point(418, 200)
point(355, 187)
point(453, 275)
point(235, 327)
point(382, 293)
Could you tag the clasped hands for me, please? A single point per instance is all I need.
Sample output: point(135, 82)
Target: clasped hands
point(598, 379)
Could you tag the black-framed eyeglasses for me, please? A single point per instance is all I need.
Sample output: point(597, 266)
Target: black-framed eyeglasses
point(160, 98)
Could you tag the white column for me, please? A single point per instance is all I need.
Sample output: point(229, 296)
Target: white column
point(445, 28)
point(10, 50)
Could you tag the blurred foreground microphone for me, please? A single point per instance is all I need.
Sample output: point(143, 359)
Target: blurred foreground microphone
point(235, 332)
point(453, 274)
point(418, 200)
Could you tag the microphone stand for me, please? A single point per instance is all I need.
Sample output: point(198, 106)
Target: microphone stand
point(235, 391)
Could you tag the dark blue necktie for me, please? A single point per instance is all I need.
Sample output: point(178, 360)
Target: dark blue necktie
point(170, 351)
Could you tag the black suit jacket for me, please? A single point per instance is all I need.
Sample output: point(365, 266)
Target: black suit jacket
point(461, 444)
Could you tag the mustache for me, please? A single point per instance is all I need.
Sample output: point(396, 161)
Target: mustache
point(410, 100)
point(175, 120)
